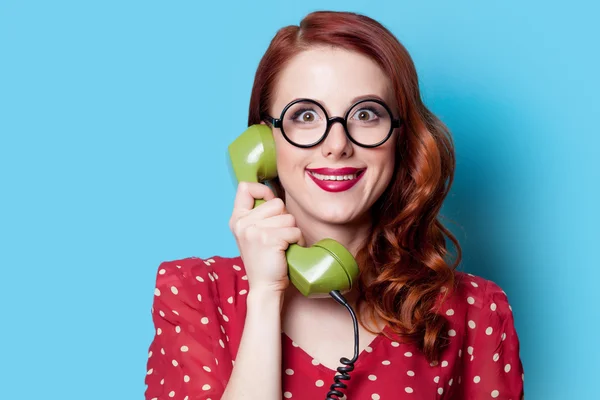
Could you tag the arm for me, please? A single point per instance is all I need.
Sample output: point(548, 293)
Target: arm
point(257, 370)
point(493, 366)
point(182, 358)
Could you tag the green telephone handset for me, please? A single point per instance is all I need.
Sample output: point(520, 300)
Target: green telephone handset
point(315, 271)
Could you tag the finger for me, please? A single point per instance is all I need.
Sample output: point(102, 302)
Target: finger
point(278, 221)
point(247, 192)
point(283, 237)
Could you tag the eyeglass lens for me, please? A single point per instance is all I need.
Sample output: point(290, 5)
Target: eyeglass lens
point(305, 123)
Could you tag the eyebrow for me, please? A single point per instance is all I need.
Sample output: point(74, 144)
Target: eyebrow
point(352, 101)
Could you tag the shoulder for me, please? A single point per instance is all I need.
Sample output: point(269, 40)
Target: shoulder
point(189, 273)
point(212, 280)
point(478, 308)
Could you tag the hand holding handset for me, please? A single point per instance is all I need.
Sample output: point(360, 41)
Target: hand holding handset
point(324, 269)
point(314, 271)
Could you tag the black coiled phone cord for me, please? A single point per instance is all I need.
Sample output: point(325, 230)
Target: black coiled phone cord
point(348, 364)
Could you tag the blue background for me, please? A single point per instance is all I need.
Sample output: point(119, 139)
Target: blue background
point(115, 117)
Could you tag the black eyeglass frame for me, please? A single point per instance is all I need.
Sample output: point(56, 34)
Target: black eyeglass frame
point(277, 123)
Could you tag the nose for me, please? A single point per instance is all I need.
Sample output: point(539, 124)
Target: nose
point(336, 144)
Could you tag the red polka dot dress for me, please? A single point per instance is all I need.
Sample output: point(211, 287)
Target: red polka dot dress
point(199, 308)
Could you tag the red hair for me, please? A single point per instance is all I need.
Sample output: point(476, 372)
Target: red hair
point(404, 270)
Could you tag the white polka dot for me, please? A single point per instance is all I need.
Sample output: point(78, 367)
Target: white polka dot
point(225, 318)
point(470, 300)
point(221, 343)
point(287, 395)
point(495, 393)
point(408, 354)
point(472, 324)
point(472, 357)
point(444, 363)
point(496, 357)
point(460, 352)
point(503, 336)
point(319, 383)
point(172, 393)
point(186, 378)
point(216, 361)
point(174, 312)
point(489, 330)
point(477, 379)
point(368, 349)
point(215, 275)
point(451, 332)
point(175, 363)
point(507, 368)
point(509, 307)
point(220, 310)
point(222, 329)
point(386, 362)
point(440, 390)
point(237, 268)
point(174, 290)
point(314, 361)
point(162, 351)
point(149, 354)
point(184, 348)
point(470, 274)
point(375, 396)
point(156, 292)
point(243, 291)
point(199, 297)
point(199, 279)
point(289, 371)
point(450, 312)
point(162, 314)
point(178, 266)
point(523, 377)
point(230, 301)
point(450, 382)
point(158, 331)
point(474, 284)
point(162, 381)
point(149, 371)
point(395, 344)
point(493, 306)
point(245, 277)
point(162, 271)
point(206, 387)
point(294, 344)
point(436, 379)
point(372, 377)
point(410, 373)
point(470, 349)
point(178, 329)
point(408, 389)
point(207, 369)
point(204, 320)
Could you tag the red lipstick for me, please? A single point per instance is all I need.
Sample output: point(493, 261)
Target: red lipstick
point(335, 185)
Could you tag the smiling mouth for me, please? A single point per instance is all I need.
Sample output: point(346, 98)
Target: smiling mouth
point(346, 177)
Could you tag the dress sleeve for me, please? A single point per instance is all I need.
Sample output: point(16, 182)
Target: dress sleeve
point(493, 365)
point(182, 361)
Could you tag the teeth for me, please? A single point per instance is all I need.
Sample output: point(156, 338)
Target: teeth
point(333, 177)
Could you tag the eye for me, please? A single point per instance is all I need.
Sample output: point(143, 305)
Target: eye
point(366, 114)
point(305, 115)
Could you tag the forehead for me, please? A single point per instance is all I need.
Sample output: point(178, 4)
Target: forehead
point(331, 76)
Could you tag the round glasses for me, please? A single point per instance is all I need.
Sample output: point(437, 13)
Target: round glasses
point(305, 123)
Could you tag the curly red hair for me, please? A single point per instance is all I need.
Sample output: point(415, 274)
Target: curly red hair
point(404, 270)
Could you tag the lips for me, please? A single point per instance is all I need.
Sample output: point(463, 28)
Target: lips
point(336, 185)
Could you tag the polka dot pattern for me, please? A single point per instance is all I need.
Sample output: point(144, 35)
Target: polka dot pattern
point(198, 311)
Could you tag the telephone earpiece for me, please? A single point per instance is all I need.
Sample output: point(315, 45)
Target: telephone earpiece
point(314, 271)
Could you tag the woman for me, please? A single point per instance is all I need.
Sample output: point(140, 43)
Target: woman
point(233, 328)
